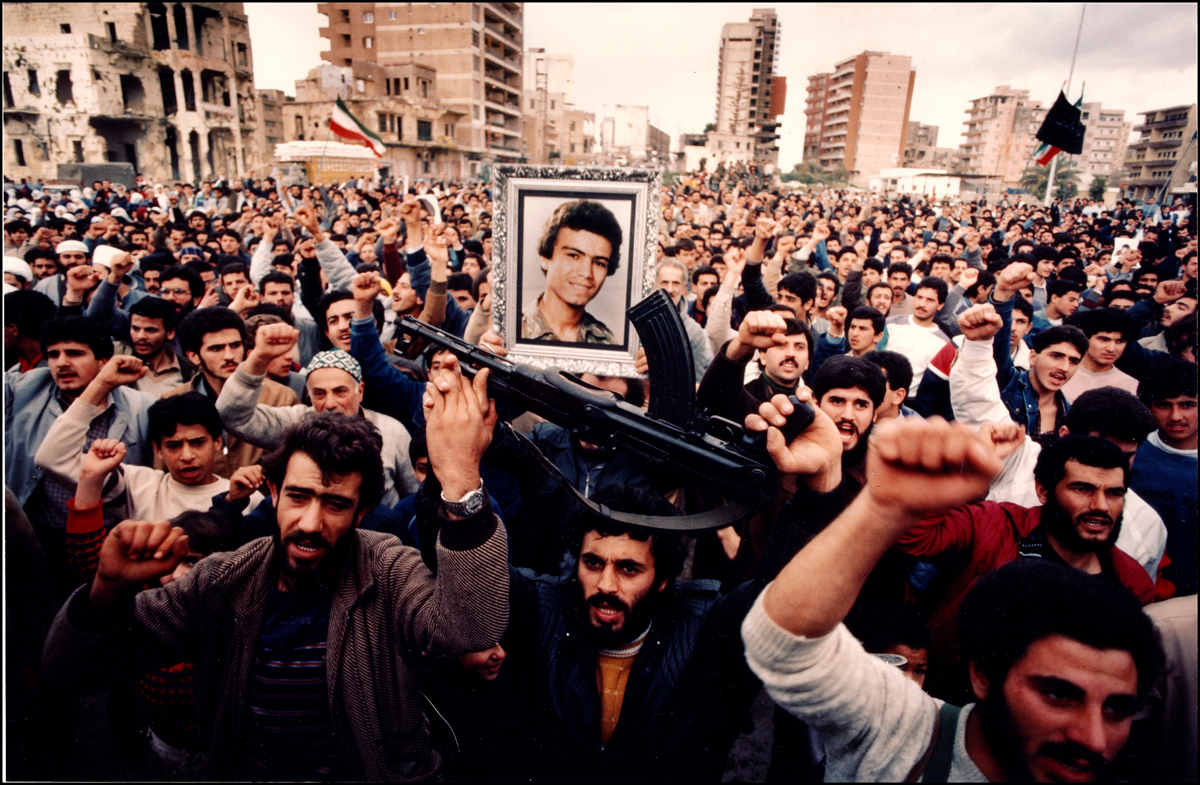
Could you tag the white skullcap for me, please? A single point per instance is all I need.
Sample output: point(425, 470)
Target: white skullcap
point(71, 246)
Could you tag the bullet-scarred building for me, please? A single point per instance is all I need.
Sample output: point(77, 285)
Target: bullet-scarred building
point(166, 88)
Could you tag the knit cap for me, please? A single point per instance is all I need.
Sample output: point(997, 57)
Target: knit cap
point(336, 358)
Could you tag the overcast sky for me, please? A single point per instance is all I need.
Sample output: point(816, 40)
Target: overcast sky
point(1132, 57)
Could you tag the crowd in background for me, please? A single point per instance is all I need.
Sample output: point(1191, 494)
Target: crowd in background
point(1003, 383)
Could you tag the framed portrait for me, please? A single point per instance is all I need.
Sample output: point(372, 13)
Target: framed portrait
point(573, 249)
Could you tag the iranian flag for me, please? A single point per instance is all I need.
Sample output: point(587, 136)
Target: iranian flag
point(348, 127)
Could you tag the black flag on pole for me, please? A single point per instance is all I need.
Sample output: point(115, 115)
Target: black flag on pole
point(1062, 127)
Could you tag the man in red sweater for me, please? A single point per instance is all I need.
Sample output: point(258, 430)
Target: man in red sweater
point(1081, 481)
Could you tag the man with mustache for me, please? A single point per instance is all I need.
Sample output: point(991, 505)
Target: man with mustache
point(1034, 397)
point(334, 383)
point(783, 343)
point(214, 340)
point(305, 642)
point(623, 673)
point(1059, 661)
point(77, 351)
point(152, 324)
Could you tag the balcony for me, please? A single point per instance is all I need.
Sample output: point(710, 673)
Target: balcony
point(502, 34)
point(1179, 122)
point(508, 12)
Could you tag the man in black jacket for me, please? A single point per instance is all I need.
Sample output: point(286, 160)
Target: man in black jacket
point(624, 673)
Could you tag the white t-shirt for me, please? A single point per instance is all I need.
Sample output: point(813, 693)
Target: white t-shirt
point(918, 344)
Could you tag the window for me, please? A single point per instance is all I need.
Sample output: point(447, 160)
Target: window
point(420, 31)
point(552, 105)
point(369, 18)
point(368, 43)
point(396, 86)
point(572, 128)
point(424, 131)
point(399, 127)
point(241, 54)
point(572, 147)
point(112, 31)
point(64, 90)
point(449, 129)
point(383, 123)
point(391, 15)
point(34, 87)
point(387, 86)
point(19, 152)
point(300, 127)
point(345, 15)
point(406, 84)
point(77, 146)
point(189, 90)
point(65, 28)
point(532, 103)
point(346, 42)
point(166, 84)
point(8, 93)
point(474, 38)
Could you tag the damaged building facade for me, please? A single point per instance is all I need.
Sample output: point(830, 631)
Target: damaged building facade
point(400, 103)
point(168, 88)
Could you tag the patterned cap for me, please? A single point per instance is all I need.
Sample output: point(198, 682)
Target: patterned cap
point(336, 358)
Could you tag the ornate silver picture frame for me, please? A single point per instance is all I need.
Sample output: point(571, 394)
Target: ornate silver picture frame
point(568, 309)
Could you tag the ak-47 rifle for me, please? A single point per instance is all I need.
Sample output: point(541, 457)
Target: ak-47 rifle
point(719, 452)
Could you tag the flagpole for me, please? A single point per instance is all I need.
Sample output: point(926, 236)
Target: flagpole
point(1070, 74)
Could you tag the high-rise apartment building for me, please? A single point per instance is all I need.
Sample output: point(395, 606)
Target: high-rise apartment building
point(750, 97)
point(1163, 154)
point(166, 88)
point(475, 48)
point(858, 114)
point(1000, 136)
point(1106, 132)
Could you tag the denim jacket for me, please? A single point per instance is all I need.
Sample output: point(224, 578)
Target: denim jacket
point(31, 406)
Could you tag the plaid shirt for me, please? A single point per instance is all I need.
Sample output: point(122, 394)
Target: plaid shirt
point(50, 500)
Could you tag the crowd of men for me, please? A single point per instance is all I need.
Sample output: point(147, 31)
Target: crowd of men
point(285, 543)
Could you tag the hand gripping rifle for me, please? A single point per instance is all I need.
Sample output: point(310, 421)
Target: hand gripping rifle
point(715, 450)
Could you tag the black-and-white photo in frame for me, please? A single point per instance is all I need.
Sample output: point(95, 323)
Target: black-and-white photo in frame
point(573, 249)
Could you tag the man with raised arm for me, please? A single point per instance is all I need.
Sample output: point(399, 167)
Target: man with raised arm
point(334, 383)
point(1058, 660)
point(304, 641)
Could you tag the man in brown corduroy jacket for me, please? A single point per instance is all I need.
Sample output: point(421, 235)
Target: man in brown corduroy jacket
point(303, 642)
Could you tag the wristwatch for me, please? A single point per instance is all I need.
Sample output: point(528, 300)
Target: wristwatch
point(467, 505)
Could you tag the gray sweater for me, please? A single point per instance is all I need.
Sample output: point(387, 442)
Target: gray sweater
point(875, 722)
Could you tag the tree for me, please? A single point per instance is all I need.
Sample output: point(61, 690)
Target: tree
point(1097, 188)
point(1066, 181)
point(810, 173)
point(710, 127)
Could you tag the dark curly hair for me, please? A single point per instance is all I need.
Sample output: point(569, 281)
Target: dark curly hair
point(339, 445)
point(583, 216)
